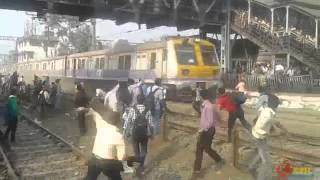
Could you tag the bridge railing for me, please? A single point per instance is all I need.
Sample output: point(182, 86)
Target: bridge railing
point(304, 83)
point(294, 42)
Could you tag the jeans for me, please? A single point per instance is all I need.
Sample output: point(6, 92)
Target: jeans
point(204, 144)
point(43, 110)
point(57, 102)
point(81, 116)
point(109, 167)
point(156, 119)
point(233, 116)
point(12, 127)
point(140, 148)
point(262, 162)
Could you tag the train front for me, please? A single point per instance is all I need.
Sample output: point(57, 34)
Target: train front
point(190, 62)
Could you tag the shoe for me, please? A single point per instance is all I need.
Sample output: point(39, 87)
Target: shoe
point(252, 172)
point(195, 175)
point(219, 165)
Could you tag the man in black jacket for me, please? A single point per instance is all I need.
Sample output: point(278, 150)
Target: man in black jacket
point(81, 102)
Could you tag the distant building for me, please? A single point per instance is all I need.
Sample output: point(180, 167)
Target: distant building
point(36, 47)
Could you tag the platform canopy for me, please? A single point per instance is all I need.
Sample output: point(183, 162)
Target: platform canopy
point(184, 14)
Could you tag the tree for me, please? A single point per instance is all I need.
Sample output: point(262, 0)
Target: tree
point(72, 35)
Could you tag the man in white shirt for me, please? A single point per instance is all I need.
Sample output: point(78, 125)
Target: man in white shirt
point(43, 99)
point(135, 90)
point(158, 107)
point(261, 132)
point(110, 99)
point(109, 147)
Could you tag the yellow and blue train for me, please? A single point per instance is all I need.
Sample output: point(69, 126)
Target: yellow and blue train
point(180, 62)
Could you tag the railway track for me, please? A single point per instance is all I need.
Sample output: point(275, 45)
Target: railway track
point(40, 154)
point(296, 147)
point(6, 171)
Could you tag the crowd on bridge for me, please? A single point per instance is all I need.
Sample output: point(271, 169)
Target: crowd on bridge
point(131, 113)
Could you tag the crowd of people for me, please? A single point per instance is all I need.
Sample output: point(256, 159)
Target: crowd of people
point(130, 115)
point(264, 125)
point(130, 112)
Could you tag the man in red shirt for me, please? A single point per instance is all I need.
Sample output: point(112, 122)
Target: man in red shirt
point(224, 101)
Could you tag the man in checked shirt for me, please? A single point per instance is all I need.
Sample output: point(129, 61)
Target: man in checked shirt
point(138, 128)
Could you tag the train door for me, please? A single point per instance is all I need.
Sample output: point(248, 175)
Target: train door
point(74, 67)
point(65, 66)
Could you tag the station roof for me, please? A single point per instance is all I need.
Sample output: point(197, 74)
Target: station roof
point(309, 7)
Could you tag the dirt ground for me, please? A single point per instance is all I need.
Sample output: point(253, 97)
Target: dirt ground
point(166, 160)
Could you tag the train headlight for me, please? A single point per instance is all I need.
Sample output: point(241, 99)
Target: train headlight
point(185, 72)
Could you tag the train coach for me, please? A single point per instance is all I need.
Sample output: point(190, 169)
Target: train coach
point(180, 62)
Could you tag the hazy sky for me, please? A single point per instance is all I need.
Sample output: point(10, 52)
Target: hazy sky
point(13, 22)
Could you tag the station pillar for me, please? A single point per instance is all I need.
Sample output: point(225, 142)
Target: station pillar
point(272, 19)
point(317, 33)
point(249, 11)
point(225, 40)
point(288, 60)
point(202, 33)
point(287, 19)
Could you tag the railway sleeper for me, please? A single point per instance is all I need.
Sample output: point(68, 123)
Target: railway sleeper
point(70, 173)
point(33, 142)
point(56, 157)
point(38, 151)
point(70, 160)
point(49, 167)
point(39, 154)
point(34, 147)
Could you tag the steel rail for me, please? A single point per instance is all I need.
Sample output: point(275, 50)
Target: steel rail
point(291, 154)
point(73, 148)
point(11, 172)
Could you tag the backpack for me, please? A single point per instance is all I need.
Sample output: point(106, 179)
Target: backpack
point(124, 96)
point(238, 98)
point(150, 100)
point(273, 101)
point(140, 125)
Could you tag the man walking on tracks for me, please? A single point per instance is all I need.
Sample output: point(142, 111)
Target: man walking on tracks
point(109, 148)
point(43, 99)
point(224, 101)
point(261, 131)
point(136, 90)
point(138, 128)
point(81, 102)
point(208, 121)
point(155, 101)
point(12, 115)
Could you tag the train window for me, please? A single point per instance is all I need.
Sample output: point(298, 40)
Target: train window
point(208, 55)
point(97, 63)
point(153, 60)
point(102, 63)
point(185, 54)
point(79, 63)
point(124, 62)
point(68, 64)
point(127, 62)
point(121, 62)
point(83, 64)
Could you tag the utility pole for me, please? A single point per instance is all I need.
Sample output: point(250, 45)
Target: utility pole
point(94, 39)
